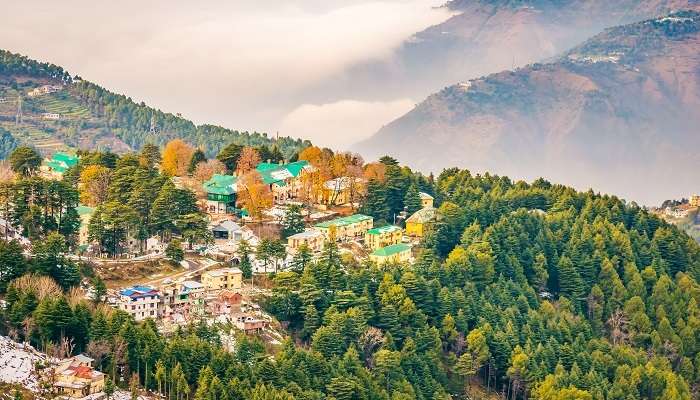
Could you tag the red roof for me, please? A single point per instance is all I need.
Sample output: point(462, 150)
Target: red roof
point(83, 372)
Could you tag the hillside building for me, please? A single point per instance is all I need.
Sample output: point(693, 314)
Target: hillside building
point(394, 254)
point(376, 238)
point(57, 165)
point(187, 297)
point(221, 194)
point(312, 238)
point(283, 179)
point(426, 200)
point(338, 191)
point(222, 279)
point(695, 200)
point(418, 223)
point(75, 378)
point(141, 302)
point(346, 228)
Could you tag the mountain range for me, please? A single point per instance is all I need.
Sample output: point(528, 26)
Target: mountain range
point(615, 113)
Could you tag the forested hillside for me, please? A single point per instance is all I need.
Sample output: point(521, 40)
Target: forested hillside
point(91, 117)
point(529, 290)
point(622, 101)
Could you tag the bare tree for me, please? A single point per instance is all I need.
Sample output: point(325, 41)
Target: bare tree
point(617, 324)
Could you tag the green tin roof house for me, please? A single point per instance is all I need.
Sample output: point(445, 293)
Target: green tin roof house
point(221, 194)
point(58, 164)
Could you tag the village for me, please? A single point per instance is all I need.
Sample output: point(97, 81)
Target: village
point(208, 284)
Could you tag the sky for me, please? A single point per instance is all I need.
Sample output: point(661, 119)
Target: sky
point(242, 64)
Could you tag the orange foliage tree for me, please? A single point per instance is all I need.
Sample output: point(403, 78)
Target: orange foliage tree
point(253, 194)
point(249, 159)
point(176, 157)
point(94, 184)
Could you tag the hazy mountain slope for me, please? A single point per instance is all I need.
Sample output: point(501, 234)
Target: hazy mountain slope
point(618, 113)
point(486, 36)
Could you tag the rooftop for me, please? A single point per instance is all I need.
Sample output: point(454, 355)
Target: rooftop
point(391, 250)
point(423, 215)
point(425, 196)
point(383, 229)
point(344, 221)
point(138, 291)
point(227, 226)
point(277, 173)
point(220, 184)
point(307, 234)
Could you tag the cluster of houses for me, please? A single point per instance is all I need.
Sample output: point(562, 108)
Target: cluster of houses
point(76, 378)
point(57, 165)
point(682, 210)
point(217, 296)
point(44, 89)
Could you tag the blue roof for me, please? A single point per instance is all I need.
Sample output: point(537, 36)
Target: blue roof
point(137, 291)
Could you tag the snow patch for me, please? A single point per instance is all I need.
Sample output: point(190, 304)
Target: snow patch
point(17, 361)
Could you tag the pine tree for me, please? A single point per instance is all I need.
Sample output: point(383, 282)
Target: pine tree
point(412, 201)
point(293, 222)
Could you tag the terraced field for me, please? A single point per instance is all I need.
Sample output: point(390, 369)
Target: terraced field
point(60, 103)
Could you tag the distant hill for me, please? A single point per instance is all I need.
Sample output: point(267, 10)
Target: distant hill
point(487, 36)
point(618, 113)
point(89, 116)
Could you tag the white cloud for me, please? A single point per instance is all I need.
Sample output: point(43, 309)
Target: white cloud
point(341, 124)
point(240, 63)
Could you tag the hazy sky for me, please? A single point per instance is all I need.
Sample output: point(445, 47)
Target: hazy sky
point(243, 64)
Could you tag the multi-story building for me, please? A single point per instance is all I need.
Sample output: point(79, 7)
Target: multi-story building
point(376, 238)
point(312, 238)
point(339, 191)
point(223, 278)
point(394, 254)
point(186, 296)
point(283, 178)
point(75, 378)
point(221, 194)
point(141, 302)
point(346, 228)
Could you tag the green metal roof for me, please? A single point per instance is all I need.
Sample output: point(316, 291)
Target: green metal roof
point(69, 159)
point(220, 184)
point(277, 173)
point(57, 166)
point(383, 229)
point(343, 221)
point(84, 210)
point(391, 250)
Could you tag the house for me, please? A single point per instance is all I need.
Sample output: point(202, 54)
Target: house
point(346, 228)
point(223, 278)
point(680, 211)
point(226, 303)
point(376, 238)
point(338, 191)
point(51, 116)
point(250, 324)
point(227, 230)
point(186, 296)
point(75, 378)
point(283, 179)
point(695, 200)
point(426, 200)
point(221, 194)
point(58, 164)
point(396, 253)
point(85, 213)
point(141, 302)
point(418, 223)
point(45, 89)
point(312, 238)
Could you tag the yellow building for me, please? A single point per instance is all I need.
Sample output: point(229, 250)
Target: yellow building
point(418, 223)
point(223, 278)
point(312, 238)
point(426, 200)
point(376, 238)
point(346, 228)
point(339, 191)
point(695, 200)
point(394, 254)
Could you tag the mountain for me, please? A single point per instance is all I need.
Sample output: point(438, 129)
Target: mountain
point(617, 113)
point(59, 111)
point(486, 36)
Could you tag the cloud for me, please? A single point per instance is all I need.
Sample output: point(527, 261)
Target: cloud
point(240, 63)
point(340, 124)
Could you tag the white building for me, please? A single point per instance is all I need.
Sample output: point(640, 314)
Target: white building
point(140, 301)
point(52, 116)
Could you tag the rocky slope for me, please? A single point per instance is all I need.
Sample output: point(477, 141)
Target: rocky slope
point(617, 113)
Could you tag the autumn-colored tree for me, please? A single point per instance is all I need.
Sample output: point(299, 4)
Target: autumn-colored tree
point(311, 154)
point(248, 160)
point(205, 170)
point(176, 157)
point(375, 171)
point(94, 184)
point(254, 195)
